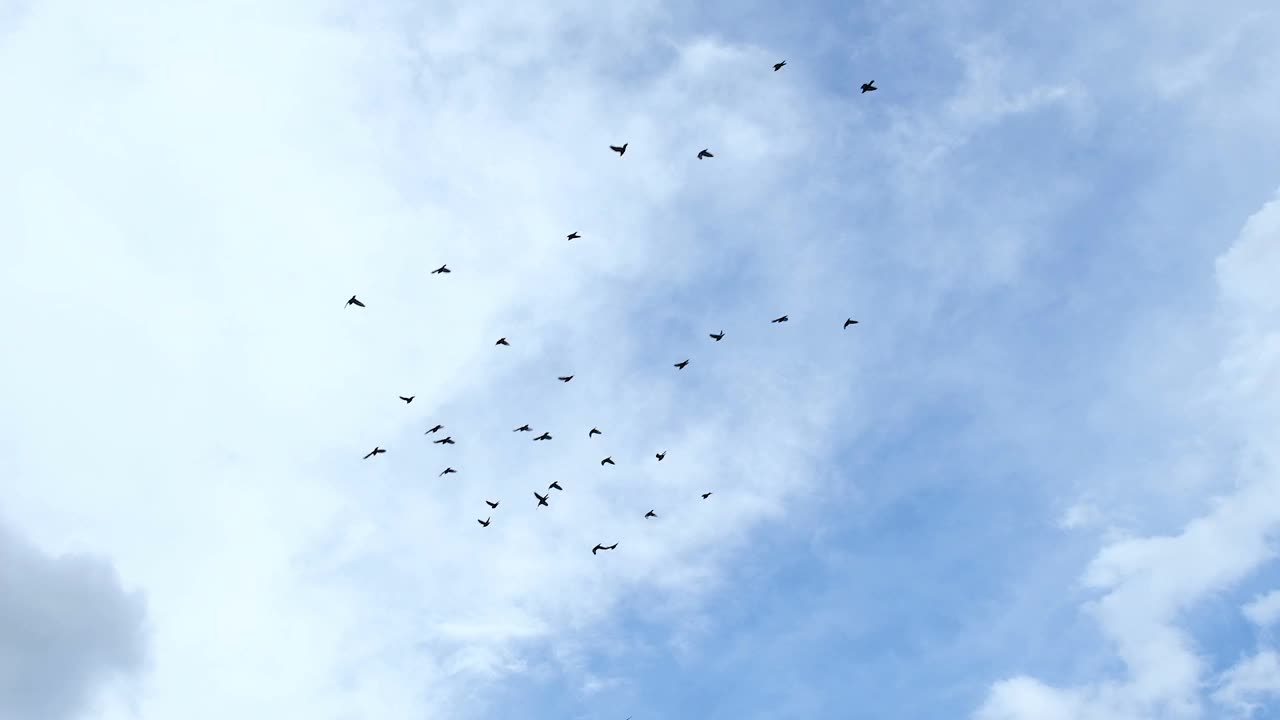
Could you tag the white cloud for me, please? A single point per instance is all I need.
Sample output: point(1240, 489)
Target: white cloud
point(1264, 610)
point(1247, 682)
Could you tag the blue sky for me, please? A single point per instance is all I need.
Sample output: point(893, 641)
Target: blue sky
point(1039, 480)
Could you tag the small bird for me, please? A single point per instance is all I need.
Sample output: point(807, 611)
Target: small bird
point(574, 235)
point(434, 429)
point(607, 461)
point(492, 504)
point(660, 455)
point(542, 499)
point(706, 495)
point(354, 301)
point(523, 428)
point(782, 319)
point(375, 451)
point(485, 522)
point(778, 66)
point(543, 436)
point(409, 399)
point(716, 337)
point(444, 441)
point(555, 485)
point(603, 547)
point(565, 378)
point(503, 341)
point(594, 431)
point(446, 471)
point(441, 269)
point(849, 322)
point(705, 154)
point(681, 364)
point(869, 86)
point(621, 150)
point(651, 514)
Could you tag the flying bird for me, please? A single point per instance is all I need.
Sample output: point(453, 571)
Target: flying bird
point(565, 378)
point(869, 86)
point(705, 154)
point(441, 269)
point(706, 495)
point(716, 337)
point(485, 522)
point(660, 455)
point(778, 66)
point(446, 471)
point(603, 547)
point(354, 301)
point(594, 431)
point(555, 485)
point(542, 499)
point(523, 428)
point(434, 429)
point(375, 451)
point(620, 149)
point(651, 514)
point(503, 341)
point(444, 441)
point(849, 322)
point(409, 399)
point(681, 364)
point(574, 235)
point(543, 436)
point(782, 319)
point(492, 504)
point(607, 461)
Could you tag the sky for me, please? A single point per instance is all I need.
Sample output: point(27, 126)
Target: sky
point(1040, 479)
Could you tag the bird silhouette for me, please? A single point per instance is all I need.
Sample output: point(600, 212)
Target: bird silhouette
point(778, 66)
point(869, 86)
point(681, 364)
point(716, 337)
point(849, 322)
point(543, 436)
point(485, 522)
point(434, 429)
point(446, 471)
point(565, 378)
point(492, 503)
point(603, 547)
point(705, 154)
point(441, 269)
point(444, 441)
point(574, 235)
point(555, 485)
point(523, 428)
point(503, 341)
point(375, 451)
point(651, 514)
point(782, 319)
point(354, 301)
point(706, 495)
point(661, 455)
point(620, 149)
point(594, 431)
point(409, 399)
point(542, 499)
point(607, 461)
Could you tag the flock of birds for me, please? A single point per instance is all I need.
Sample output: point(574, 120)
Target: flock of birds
point(541, 498)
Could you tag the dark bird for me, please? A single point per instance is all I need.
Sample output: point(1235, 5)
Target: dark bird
point(784, 318)
point(621, 150)
point(542, 499)
point(705, 154)
point(603, 547)
point(565, 378)
point(574, 235)
point(661, 455)
point(555, 486)
point(446, 471)
point(354, 301)
point(706, 495)
point(651, 514)
point(869, 86)
point(444, 441)
point(716, 337)
point(607, 461)
point(485, 522)
point(441, 269)
point(543, 436)
point(503, 341)
point(409, 399)
point(778, 66)
point(434, 429)
point(849, 322)
point(492, 504)
point(594, 432)
point(681, 364)
point(523, 428)
point(375, 451)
